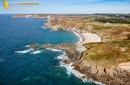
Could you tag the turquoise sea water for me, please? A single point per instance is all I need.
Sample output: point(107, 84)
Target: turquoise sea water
point(20, 65)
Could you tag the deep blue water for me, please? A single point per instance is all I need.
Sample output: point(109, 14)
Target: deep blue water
point(21, 66)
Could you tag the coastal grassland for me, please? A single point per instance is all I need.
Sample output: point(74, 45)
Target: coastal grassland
point(105, 24)
point(111, 33)
point(108, 54)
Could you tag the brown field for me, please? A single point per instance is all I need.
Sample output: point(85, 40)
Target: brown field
point(108, 54)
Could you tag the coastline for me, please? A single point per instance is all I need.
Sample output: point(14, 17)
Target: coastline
point(83, 69)
point(90, 72)
point(82, 40)
point(70, 67)
point(86, 37)
point(99, 74)
point(80, 36)
point(109, 76)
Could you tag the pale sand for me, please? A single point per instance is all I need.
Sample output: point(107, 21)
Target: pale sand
point(90, 37)
point(79, 47)
point(86, 38)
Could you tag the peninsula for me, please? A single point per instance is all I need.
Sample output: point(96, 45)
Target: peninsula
point(104, 52)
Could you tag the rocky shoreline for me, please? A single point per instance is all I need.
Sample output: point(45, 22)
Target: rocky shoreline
point(108, 76)
point(70, 49)
point(112, 76)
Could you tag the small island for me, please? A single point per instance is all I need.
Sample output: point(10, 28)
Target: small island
point(104, 51)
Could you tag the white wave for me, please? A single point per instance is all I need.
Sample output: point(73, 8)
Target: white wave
point(42, 27)
point(52, 49)
point(27, 46)
point(24, 51)
point(80, 37)
point(70, 69)
point(90, 80)
point(36, 52)
point(99, 83)
point(62, 57)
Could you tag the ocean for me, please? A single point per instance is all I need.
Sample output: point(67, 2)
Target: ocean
point(20, 65)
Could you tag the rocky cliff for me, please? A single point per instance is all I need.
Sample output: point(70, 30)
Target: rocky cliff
point(112, 76)
point(108, 76)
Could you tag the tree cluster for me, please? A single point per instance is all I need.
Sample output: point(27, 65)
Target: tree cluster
point(114, 20)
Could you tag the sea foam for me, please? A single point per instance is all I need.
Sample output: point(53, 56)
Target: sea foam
point(80, 37)
point(70, 69)
point(52, 49)
point(27, 46)
point(24, 51)
point(62, 57)
point(36, 52)
point(44, 26)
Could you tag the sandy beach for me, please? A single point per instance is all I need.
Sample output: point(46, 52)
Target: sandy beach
point(87, 37)
point(90, 37)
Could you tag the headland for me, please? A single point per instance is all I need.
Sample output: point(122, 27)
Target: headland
point(103, 51)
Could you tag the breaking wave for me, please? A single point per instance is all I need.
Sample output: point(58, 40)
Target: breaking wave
point(70, 69)
point(24, 51)
point(52, 49)
point(79, 36)
point(27, 46)
point(62, 57)
point(36, 52)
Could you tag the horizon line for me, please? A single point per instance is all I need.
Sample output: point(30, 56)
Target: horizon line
point(65, 13)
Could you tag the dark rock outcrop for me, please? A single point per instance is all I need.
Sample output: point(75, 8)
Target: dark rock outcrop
point(33, 46)
point(70, 49)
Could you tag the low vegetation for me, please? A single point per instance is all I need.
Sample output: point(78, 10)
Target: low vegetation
point(113, 20)
point(108, 54)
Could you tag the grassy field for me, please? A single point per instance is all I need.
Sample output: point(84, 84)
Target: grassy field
point(108, 54)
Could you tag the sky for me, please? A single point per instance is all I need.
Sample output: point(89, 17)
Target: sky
point(69, 7)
